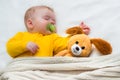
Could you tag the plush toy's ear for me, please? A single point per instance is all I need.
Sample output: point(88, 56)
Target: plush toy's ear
point(103, 46)
point(74, 30)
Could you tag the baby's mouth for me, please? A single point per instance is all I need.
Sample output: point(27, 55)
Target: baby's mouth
point(50, 27)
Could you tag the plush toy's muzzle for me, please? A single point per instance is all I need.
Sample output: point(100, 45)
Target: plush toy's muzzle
point(76, 50)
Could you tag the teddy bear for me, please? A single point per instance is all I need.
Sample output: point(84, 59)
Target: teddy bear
point(81, 45)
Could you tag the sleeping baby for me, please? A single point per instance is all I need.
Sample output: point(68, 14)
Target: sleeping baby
point(38, 40)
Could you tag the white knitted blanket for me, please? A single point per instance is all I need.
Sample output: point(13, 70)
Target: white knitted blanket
point(63, 68)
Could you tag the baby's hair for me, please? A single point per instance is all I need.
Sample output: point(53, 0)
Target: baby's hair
point(30, 11)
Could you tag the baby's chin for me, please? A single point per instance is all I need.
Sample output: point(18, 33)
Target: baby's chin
point(47, 33)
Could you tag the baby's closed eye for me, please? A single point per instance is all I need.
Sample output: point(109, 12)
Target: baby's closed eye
point(46, 17)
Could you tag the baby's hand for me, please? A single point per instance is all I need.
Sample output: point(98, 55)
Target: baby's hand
point(32, 47)
point(86, 29)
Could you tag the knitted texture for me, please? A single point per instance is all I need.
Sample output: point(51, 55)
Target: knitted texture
point(63, 68)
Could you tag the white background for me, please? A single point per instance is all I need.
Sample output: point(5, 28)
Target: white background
point(103, 16)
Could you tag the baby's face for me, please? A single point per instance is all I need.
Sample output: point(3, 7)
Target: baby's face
point(40, 20)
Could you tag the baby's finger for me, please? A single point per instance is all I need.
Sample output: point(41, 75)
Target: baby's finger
point(81, 23)
point(86, 28)
point(86, 31)
point(32, 50)
point(35, 49)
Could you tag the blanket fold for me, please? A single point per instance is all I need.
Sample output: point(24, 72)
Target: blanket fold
point(63, 68)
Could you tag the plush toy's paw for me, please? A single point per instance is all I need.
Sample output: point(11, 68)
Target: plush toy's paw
point(61, 53)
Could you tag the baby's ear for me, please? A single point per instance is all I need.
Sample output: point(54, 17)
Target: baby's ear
point(29, 24)
point(103, 46)
point(74, 30)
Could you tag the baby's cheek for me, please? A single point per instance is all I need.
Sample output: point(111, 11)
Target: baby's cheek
point(43, 25)
point(43, 21)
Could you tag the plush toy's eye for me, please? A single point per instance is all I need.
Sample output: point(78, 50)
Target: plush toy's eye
point(83, 47)
point(76, 42)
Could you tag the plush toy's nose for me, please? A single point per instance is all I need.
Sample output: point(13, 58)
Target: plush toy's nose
point(76, 50)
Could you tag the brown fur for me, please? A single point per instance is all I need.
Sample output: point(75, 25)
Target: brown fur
point(103, 46)
point(74, 30)
point(78, 35)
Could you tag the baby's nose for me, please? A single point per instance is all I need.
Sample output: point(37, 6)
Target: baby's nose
point(52, 22)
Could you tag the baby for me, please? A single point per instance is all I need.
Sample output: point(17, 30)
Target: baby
point(38, 40)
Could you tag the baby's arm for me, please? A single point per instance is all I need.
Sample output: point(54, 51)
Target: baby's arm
point(18, 45)
point(60, 43)
point(86, 29)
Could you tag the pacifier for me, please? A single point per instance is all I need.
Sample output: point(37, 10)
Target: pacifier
point(50, 27)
